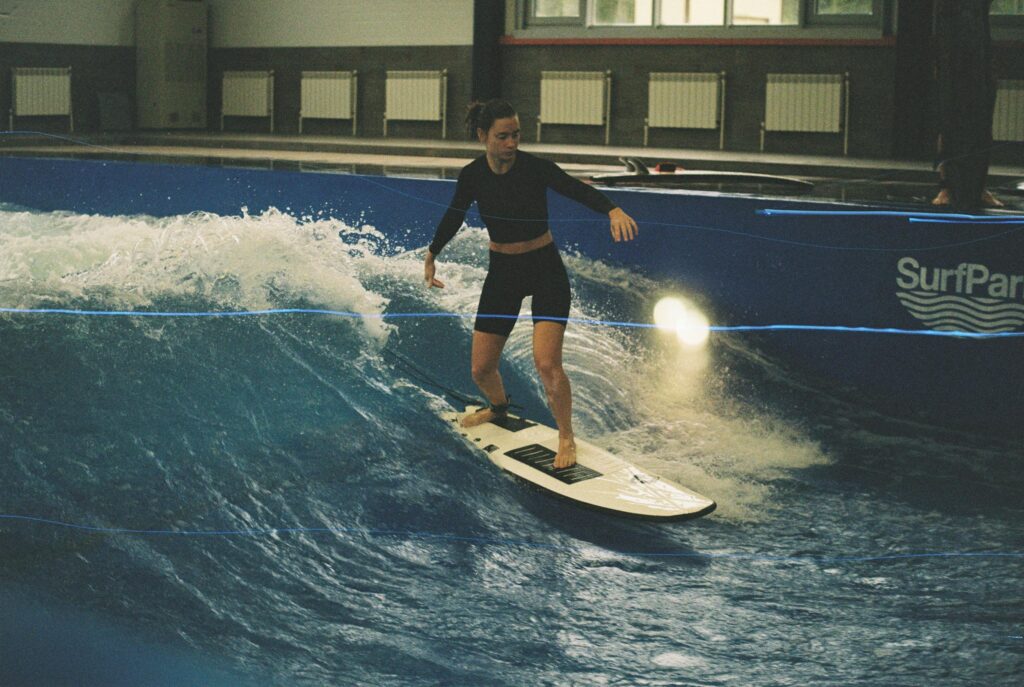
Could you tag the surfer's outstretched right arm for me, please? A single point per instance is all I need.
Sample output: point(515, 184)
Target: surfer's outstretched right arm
point(429, 269)
point(449, 225)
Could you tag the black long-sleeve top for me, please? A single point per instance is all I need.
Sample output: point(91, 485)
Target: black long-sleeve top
point(513, 205)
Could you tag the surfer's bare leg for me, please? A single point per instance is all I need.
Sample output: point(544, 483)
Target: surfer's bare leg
point(486, 355)
point(547, 356)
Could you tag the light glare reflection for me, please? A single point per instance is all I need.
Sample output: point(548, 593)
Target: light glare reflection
point(690, 325)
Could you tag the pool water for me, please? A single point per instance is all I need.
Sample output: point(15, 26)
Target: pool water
point(272, 499)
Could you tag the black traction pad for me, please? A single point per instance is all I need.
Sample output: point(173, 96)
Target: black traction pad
point(512, 424)
point(543, 459)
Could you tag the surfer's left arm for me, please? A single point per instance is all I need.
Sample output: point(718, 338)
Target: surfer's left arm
point(623, 227)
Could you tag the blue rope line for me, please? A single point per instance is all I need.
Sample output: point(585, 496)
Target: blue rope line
point(576, 320)
point(494, 541)
point(807, 244)
point(950, 217)
point(980, 220)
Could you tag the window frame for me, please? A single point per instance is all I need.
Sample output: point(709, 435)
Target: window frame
point(879, 20)
point(801, 18)
point(521, 26)
point(813, 18)
point(1013, 22)
point(658, 24)
point(532, 20)
point(1008, 16)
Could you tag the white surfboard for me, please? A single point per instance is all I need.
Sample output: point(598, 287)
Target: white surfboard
point(599, 479)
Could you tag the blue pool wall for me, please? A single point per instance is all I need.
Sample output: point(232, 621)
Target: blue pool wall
point(741, 266)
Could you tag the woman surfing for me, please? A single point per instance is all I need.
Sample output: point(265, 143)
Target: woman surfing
point(510, 189)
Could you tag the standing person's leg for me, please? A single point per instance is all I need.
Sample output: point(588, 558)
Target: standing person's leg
point(547, 356)
point(551, 301)
point(500, 300)
point(485, 359)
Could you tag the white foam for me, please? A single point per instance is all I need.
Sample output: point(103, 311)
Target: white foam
point(674, 659)
point(250, 262)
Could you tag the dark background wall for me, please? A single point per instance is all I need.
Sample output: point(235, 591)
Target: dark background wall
point(871, 76)
point(371, 63)
point(891, 84)
point(1008, 63)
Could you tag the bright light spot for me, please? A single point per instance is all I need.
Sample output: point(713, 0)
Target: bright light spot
point(677, 315)
point(667, 312)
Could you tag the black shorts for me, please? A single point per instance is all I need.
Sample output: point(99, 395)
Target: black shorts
point(539, 273)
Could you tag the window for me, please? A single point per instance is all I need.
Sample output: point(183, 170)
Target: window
point(844, 7)
point(692, 13)
point(837, 12)
point(556, 9)
point(668, 13)
point(684, 12)
point(1012, 8)
point(623, 12)
point(765, 12)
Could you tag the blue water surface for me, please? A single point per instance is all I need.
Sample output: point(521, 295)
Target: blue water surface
point(273, 499)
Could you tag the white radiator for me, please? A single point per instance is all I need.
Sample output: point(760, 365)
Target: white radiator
point(575, 98)
point(807, 102)
point(1008, 118)
point(416, 96)
point(248, 94)
point(328, 95)
point(686, 100)
point(41, 92)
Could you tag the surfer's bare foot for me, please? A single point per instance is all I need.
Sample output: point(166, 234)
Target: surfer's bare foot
point(987, 199)
point(990, 201)
point(479, 417)
point(566, 456)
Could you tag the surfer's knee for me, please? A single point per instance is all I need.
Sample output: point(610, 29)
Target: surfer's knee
point(550, 371)
point(483, 370)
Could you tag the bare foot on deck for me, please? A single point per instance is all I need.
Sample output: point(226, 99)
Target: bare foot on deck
point(478, 418)
point(990, 201)
point(987, 199)
point(566, 456)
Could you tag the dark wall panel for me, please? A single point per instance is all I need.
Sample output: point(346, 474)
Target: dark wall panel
point(102, 85)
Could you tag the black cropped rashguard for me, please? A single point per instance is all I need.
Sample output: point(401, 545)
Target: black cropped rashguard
point(514, 205)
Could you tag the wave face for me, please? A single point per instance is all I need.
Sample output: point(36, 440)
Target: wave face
point(275, 499)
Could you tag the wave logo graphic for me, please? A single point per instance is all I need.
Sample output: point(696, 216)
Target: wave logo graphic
point(969, 297)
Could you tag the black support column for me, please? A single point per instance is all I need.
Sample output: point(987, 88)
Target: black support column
point(915, 125)
point(488, 27)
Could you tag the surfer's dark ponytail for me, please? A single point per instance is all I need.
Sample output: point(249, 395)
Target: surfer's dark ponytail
point(483, 115)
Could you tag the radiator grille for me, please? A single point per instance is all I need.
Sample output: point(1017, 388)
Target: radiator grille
point(248, 94)
point(573, 97)
point(328, 95)
point(683, 100)
point(415, 95)
point(1008, 118)
point(804, 102)
point(41, 91)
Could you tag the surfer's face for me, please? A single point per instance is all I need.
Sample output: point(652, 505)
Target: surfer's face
point(502, 139)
